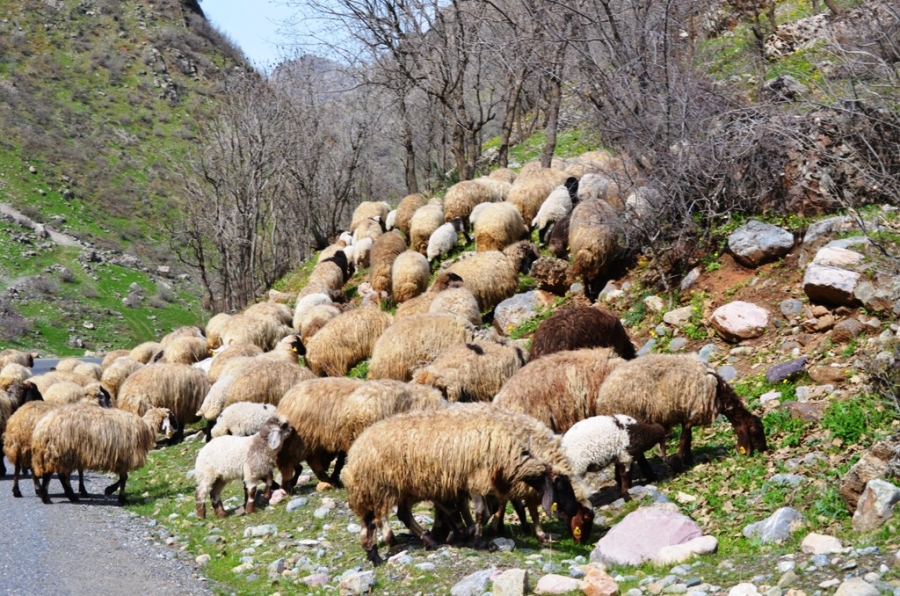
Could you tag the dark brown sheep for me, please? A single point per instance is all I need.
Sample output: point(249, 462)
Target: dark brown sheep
point(577, 327)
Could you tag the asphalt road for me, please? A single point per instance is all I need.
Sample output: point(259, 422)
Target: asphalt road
point(89, 548)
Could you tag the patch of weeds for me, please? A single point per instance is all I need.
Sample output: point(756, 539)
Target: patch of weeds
point(711, 262)
point(736, 288)
point(635, 314)
point(783, 429)
point(360, 371)
point(855, 419)
point(828, 505)
point(526, 283)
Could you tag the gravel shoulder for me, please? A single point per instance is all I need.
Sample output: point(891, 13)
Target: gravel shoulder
point(91, 547)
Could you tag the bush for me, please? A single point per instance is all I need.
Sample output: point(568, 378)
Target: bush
point(12, 324)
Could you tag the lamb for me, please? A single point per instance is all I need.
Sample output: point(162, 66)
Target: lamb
point(498, 225)
point(594, 443)
point(557, 205)
point(413, 341)
point(384, 252)
point(19, 357)
point(230, 458)
point(372, 227)
point(409, 276)
point(445, 239)
point(472, 371)
point(83, 436)
point(596, 240)
point(178, 387)
point(433, 456)
point(424, 222)
point(670, 389)
point(560, 389)
point(12, 398)
point(68, 393)
point(405, 210)
point(462, 197)
point(346, 340)
point(214, 402)
point(390, 222)
point(242, 419)
point(362, 252)
point(367, 210)
point(493, 276)
point(577, 327)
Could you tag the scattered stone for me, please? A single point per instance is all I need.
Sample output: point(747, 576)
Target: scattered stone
point(847, 330)
point(739, 320)
point(777, 527)
point(679, 316)
point(727, 372)
point(791, 480)
point(689, 279)
point(828, 375)
point(791, 307)
point(833, 256)
point(512, 582)
point(360, 582)
point(556, 584)
point(295, 504)
point(639, 537)
point(598, 583)
point(756, 242)
point(786, 370)
point(426, 566)
point(321, 512)
point(277, 566)
point(677, 344)
point(474, 584)
point(875, 506)
point(677, 553)
point(706, 352)
point(770, 396)
point(203, 560)
point(874, 298)
point(263, 530)
point(856, 586)
point(820, 544)
point(877, 462)
point(504, 545)
point(654, 303)
point(743, 589)
point(647, 347)
point(514, 311)
point(278, 496)
point(787, 579)
point(316, 580)
point(830, 285)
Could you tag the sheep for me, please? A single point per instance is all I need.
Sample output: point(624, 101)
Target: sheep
point(276, 311)
point(558, 204)
point(642, 204)
point(12, 373)
point(214, 402)
point(433, 456)
point(415, 340)
point(346, 340)
point(390, 222)
point(472, 371)
point(531, 189)
point(370, 228)
point(558, 241)
point(504, 174)
point(12, 398)
point(424, 222)
point(367, 210)
point(462, 197)
point(596, 442)
point(68, 393)
point(473, 217)
point(178, 387)
point(265, 382)
point(670, 389)
point(248, 329)
point(597, 187)
point(213, 330)
point(362, 252)
point(241, 353)
point(44, 381)
point(304, 305)
point(459, 302)
point(498, 225)
point(242, 419)
point(83, 436)
point(578, 326)
point(330, 250)
point(560, 389)
point(185, 331)
point(19, 357)
point(184, 350)
point(67, 364)
point(405, 210)
point(446, 238)
point(145, 352)
point(328, 415)
point(384, 252)
point(493, 276)
point(116, 373)
point(596, 239)
point(228, 458)
point(409, 276)
point(288, 349)
point(314, 319)
point(499, 188)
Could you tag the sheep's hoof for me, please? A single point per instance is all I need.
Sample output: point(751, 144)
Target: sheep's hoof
point(122, 499)
point(373, 556)
point(84, 493)
point(17, 493)
point(220, 511)
point(201, 511)
point(46, 500)
point(544, 539)
point(429, 542)
point(109, 489)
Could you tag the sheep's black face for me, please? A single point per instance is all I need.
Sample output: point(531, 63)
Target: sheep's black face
point(578, 518)
point(297, 345)
point(105, 398)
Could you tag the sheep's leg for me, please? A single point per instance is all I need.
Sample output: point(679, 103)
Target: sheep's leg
point(17, 469)
point(250, 498)
point(200, 501)
point(338, 466)
point(215, 495)
point(684, 457)
point(367, 538)
point(319, 467)
point(121, 483)
point(646, 468)
point(404, 513)
point(45, 487)
point(207, 431)
point(623, 477)
point(387, 534)
point(480, 515)
point(539, 532)
point(67, 487)
point(267, 493)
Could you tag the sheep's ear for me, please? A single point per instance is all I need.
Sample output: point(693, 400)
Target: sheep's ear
point(275, 439)
point(548, 500)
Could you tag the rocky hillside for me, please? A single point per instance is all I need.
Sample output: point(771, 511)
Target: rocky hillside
point(98, 101)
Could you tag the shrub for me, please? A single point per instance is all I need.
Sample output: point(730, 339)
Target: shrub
point(12, 324)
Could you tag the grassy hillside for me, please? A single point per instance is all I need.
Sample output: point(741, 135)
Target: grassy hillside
point(98, 100)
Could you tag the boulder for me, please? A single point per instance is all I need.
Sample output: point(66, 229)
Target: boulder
point(739, 320)
point(791, 307)
point(830, 285)
point(756, 242)
point(856, 586)
point(641, 535)
point(820, 544)
point(875, 506)
point(514, 311)
point(358, 583)
point(512, 582)
point(882, 460)
point(598, 583)
point(777, 527)
point(874, 298)
point(847, 330)
point(786, 370)
point(837, 257)
point(474, 584)
point(828, 375)
point(556, 584)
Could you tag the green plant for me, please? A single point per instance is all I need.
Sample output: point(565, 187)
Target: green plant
point(711, 262)
point(852, 419)
point(635, 314)
point(360, 371)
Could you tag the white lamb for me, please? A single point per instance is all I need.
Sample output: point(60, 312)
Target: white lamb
point(242, 419)
point(596, 442)
point(557, 205)
point(445, 239)
point(250, 459)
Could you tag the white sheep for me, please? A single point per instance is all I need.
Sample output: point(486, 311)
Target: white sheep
point(250, 459)
point(361, 252)
point(390, 221)
point(445, 239)
point(594, 443)
point(242, 419)
point(555, 207)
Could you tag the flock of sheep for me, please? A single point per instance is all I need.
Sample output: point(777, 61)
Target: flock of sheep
point(451, 411)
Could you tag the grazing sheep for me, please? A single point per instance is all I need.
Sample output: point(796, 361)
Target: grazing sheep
point(445, 239)
point(314, 319)
point(409, 276)
point(370, 228)
point(414, 341)
point(390, 222)
point(424, 222)
point(462, 197)
point(559, 389)
point(384, 252)
point(499, 188)
point(597, 187)
point(576, 327)
point(405, 210)
point(367, 210)
point(69, 393)
point(558, 241)
point(67, 364)
point(242, 419)
point(145, 352)
point(214, 329)
point(328, 276)
point(642, 204)
point(493, 276)
point(10, 355)
point(44, 381)
point(498, 225)
point(472, 371)
point(670, 389)
point(12, 398)
point(459, 302)
point(531, 189)
point(504, 174)
point(476, 212)
point(330, 250)
point(288, 349)
point(433, 456)
point(346, 340)
point(13, 373)
point(184, 350)
point(594, 443)
point(221, 362)
point(276, 311)
point(178, 387)
point(362, 252)
point(265, 382)
point(596, 239)
point(249, 459)
point(248, 329)
point(83, 436)
point(116, 373)
point(214, 402)
point(185, 331)
point(558, 204)
point(305, 304)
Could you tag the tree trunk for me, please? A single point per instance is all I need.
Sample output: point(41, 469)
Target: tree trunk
point(553, 104)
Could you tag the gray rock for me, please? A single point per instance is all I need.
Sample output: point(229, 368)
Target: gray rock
point(739, 320)
point(296, 504)
point(707, 352)
point(474, 584)
point(654, 303)
point(321, 512)
point(689, 279)
point(727, 372)
point(679, 317)
point(640, 536)
point(426, 566)
point(820, 544)
point(791, 307)
point(837, 257)
point(874, 298)
point(830, 285)
point(360, 582)
point(821, 229)
point(504, 545)
point(777, 527)
point(556, 584)
point(514, 311)
point(757, 242)
point(875, 505)
point(276, 567)
point(677, 344)
point(264, 530)
point(647, 348)
point(791, 480)
point(786, 370)
point(512, 582)
point(856, 586)
point(848, 242)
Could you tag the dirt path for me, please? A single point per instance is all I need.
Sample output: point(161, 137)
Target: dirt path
point(26, 222)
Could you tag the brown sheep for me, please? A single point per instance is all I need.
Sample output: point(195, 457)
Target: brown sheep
point(384, 252)
point(346, 340)
point(405, 210)
point(178, 387)
point(493, 276)
point(596, 240)
point(409, 276)
point(577, 327)
point(472, 371)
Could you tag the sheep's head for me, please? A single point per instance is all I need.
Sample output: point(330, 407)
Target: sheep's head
point(566, 507)
point(275, 431)
point(169, 424)
point(751, 434)
point(104, 398)
point(296, 344)
point(24, 391)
